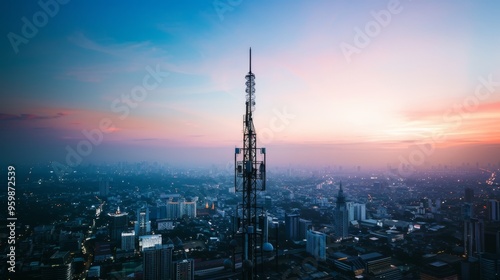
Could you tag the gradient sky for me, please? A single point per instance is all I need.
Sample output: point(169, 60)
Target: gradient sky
point(405, 86)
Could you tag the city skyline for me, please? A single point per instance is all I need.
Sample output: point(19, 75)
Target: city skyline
point(336, 82)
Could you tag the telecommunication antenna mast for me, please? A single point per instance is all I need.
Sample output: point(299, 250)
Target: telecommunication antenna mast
point(250, 177)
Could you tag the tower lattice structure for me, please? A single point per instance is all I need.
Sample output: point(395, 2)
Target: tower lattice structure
point(249, 178)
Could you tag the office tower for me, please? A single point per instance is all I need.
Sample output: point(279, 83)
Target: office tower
point(473, 237)
point(178, 207)
point(292, 227)
point(467, 211)
point(161, 210)
point(128, 241)
point(489, 266)
point(492, 238)
point(118, 224)
point(142, 224)
point(356, 211)
point(469, 195)
point(469, 269)
point(183, 270)
point(149, 241)
point(58, 267)
point(174, 209)
point(268, 201)
point(304, 226)
point(468, 206)
point(493, 210)
point(316, 244)
point(249, 178)
point(341, 216)
point(103, 188)
point(157, 262)
point(189, 208)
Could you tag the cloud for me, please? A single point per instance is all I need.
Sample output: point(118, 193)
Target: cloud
point(29, 117)
point(80, 40)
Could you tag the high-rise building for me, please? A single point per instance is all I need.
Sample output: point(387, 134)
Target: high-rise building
point(189, 208)
point(174, 209)
point(493, 210)
point(157, 262)
point(118, 224)
point(467, 211)
point(103, 188)
point(489, 266)
point(149, 241)
point(128, 241)
point(292, 227)
point(316, 244)
point(341, 216)
point(143, 223)
point(304, 226)
point(473, 237)
point(183, 270)
point(58, 267)
point(492, 238)
point(357, 211)
point(177, 207)
point(469, 269)
point(469, 195)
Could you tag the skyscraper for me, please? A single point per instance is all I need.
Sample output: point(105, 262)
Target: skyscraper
point(118, 224)
point(157, 261)
point(341, 216)
point(189, 208)
point(304, 226)
point(489, 265)
point(469, 195)
point(183, 270)
point(493, 210)
point(128, 241)
point(316, 244)
point(143, 224)
point(357, 211)
point(58, 266)
point(473, 237)
point(292, 226)
point(103, 188)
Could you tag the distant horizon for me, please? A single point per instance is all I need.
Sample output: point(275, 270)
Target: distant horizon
point(369, 84)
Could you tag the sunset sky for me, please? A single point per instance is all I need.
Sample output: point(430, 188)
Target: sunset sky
point(413, 73)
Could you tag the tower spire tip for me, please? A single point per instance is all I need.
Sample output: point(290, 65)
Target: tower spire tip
point(250, 60)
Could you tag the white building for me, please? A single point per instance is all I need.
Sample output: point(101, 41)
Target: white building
point(316, 244)
point(149, 241)
point(357, 211)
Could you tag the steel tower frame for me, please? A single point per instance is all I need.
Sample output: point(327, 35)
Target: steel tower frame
point(250, 177)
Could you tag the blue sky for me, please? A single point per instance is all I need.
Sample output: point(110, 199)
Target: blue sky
point(370, 108)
